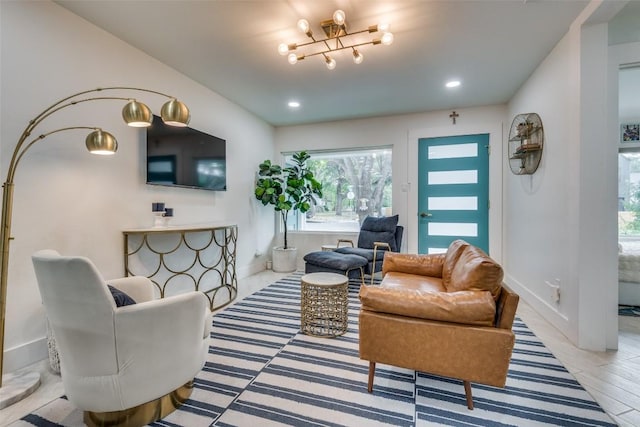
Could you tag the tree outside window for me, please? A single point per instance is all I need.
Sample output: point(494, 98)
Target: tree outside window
point(356, 183)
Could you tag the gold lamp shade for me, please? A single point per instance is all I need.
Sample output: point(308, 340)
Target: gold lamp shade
point(136, 114)
point(175, 113)
point(101, 142)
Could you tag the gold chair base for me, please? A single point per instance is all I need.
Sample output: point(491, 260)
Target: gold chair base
point(142, 414)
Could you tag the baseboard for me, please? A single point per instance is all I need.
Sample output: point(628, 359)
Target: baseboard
point(24, 355)
point(250, 269)
point(551, 314)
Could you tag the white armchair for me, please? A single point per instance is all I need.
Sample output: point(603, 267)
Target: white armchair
point(122, 365)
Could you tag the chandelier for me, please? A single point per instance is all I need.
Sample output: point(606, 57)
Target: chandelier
point(337, 38)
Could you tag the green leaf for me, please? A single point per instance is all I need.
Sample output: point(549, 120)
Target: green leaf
point(288, 188)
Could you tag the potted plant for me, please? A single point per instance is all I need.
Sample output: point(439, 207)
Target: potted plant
point(288, 189)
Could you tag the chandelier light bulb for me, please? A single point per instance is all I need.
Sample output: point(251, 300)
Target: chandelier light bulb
point(331, 63)
point(333, 30)
point(387, 38)
point(303, 25)
point(357, 57)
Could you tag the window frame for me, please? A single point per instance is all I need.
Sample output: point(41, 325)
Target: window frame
point(298, 221)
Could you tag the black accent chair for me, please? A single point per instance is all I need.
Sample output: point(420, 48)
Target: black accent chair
point(377, 235)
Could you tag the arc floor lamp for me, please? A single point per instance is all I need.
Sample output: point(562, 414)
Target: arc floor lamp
point(135, 114)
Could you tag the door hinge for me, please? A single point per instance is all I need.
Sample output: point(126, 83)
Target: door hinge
point(488, 204)
point(488, 147)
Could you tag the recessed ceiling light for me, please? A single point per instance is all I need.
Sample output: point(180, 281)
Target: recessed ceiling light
point(294, 104)
point(452, 83)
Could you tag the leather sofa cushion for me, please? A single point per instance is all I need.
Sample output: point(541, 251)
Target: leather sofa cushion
point(396, 279)
point(475, 271)
point(465, 307)
point(451, 258)
point(421, 265)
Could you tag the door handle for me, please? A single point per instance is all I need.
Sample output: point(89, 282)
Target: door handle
point(425, 214)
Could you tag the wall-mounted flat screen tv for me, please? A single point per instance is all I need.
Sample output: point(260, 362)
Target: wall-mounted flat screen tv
point(185, 157)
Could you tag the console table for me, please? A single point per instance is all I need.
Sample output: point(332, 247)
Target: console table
point(178, 259)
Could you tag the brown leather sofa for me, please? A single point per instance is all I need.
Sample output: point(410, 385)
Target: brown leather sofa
point(445, 314)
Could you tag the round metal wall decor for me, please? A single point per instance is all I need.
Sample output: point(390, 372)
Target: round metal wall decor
point(526, 139)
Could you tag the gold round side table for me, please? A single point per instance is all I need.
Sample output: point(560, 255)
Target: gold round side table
point(324, 304)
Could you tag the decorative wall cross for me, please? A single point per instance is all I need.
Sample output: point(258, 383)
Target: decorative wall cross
point(453, 116)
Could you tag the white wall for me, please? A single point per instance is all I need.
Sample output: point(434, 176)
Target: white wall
point(402, 133)
point(560, 223)
point(68, 200)
point(539, 220)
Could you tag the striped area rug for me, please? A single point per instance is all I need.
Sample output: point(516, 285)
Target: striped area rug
point(262, 372)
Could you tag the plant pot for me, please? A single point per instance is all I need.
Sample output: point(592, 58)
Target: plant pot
point(284, 260)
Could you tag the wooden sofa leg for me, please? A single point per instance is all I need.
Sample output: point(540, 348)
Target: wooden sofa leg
point(467, 392)
point(372, 371)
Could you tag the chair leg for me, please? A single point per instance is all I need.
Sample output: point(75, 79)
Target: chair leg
point(372, 371)
point(361, 274)
point(467, 392)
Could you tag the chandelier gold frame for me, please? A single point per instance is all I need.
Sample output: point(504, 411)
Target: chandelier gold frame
point(337, 38)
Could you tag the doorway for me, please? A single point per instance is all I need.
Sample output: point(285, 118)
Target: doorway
point(453, 192)
point(629, 201)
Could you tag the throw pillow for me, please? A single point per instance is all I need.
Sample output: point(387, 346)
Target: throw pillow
point(121, 298)
point(451, 258)
point(475, 271)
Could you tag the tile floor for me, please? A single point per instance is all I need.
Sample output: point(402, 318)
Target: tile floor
point(612, 378)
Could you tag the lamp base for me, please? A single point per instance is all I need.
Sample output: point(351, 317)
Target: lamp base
point(16, 387)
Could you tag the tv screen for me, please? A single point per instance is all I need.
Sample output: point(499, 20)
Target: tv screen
point(185, 157)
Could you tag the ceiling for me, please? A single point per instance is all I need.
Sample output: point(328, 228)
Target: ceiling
point(492, 47)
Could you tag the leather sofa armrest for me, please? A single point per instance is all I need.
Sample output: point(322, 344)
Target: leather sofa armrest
point(420, 264)
point(467, 307)
point(506, 308)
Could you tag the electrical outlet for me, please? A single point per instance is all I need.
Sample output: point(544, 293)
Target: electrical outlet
point(555, 289)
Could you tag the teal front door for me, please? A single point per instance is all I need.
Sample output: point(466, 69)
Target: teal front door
point(453, 192)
